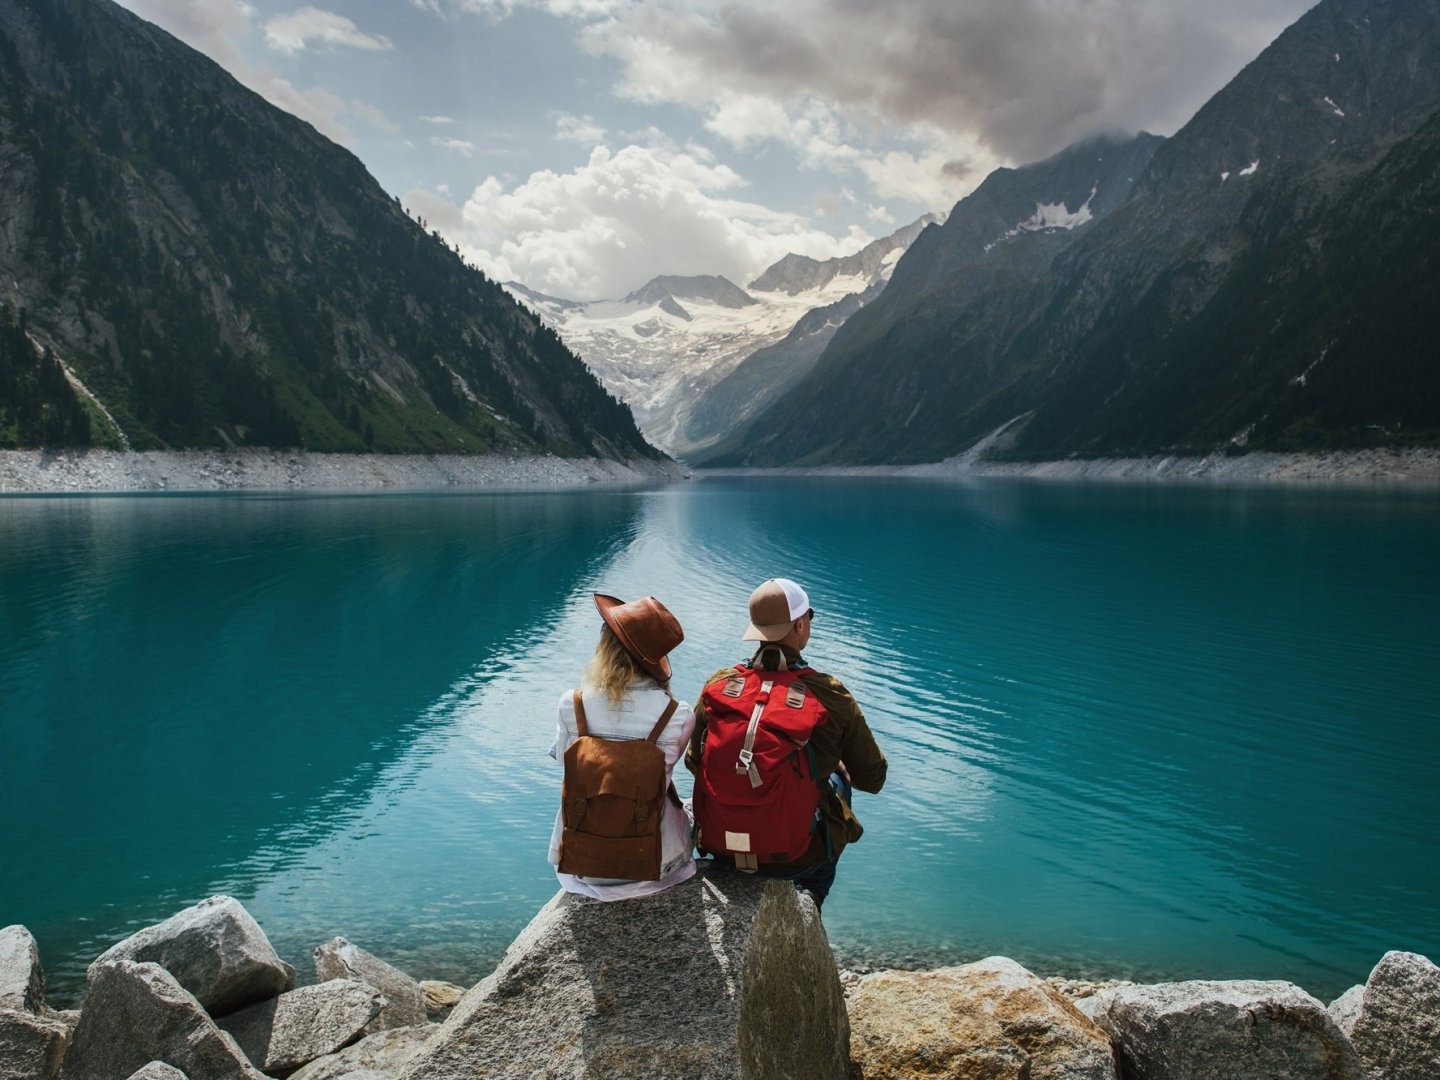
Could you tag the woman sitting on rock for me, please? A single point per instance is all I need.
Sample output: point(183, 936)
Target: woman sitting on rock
point(621, 831)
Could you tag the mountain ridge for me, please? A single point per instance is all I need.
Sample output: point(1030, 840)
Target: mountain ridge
point(218, 273)
point(1157, 328)
point(663, 346)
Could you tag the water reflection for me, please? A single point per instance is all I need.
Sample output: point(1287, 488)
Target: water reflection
point(1151, 732)
point(189, 680)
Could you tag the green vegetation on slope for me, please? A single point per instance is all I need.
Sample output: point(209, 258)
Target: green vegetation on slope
point(38, 406)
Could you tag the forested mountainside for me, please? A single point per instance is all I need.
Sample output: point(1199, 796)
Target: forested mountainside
point(212, 271)
point(1267, 282)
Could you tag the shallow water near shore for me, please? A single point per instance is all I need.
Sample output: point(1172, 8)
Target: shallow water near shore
point(1147, 732)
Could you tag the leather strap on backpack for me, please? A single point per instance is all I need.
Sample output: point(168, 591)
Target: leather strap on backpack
point(664, 719)
point(583, 730)
point(580, 715)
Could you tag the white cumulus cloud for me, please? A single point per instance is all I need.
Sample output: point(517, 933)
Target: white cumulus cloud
point(306, 26)
point(605, 228)
point(578, 129)
point(919, 99)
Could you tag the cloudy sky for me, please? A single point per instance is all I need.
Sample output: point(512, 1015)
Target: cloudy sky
point(584, 146)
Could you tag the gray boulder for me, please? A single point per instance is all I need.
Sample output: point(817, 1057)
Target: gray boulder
point(22, 979)
point(990, 1019)
point(31, 1045)
point(1239, 1030)
point(375, 1057)
point(405, 1001)
point(725, 975)
point(158, 1070)
point(1344, 1009)
point(135, 1014)
point(1396, 1031)
point(215, 950)
point(282, 1034)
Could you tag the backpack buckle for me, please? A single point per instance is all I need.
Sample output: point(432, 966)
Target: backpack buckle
point(746, 765)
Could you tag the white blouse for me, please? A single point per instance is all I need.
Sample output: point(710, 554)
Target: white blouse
point(631, 718)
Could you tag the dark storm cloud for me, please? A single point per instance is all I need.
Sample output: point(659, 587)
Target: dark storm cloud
point(1027, 76)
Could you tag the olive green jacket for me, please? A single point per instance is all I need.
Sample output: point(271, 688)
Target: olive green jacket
point(843, 735)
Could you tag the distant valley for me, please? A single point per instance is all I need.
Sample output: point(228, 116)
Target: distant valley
point(663, 347)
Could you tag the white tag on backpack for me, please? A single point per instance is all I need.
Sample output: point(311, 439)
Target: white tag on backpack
point(737, 841)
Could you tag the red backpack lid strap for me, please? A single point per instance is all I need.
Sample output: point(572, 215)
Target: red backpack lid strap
point(664, 719)
point(580, 715)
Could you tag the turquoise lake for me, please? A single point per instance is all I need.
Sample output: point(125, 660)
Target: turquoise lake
point(1134, 731)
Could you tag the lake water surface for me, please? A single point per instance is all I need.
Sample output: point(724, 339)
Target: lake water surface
point(1148, 732)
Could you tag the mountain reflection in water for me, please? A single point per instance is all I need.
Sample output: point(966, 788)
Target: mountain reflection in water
point(1134, 731)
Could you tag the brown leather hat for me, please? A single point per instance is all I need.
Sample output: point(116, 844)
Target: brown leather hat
point(646, 628)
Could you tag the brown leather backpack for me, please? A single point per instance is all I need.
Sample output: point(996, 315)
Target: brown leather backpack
point(612, 801)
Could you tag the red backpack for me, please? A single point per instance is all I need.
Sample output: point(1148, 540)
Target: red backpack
point(756, 797)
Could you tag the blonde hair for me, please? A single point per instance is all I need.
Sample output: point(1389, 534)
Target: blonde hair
point(612, 669)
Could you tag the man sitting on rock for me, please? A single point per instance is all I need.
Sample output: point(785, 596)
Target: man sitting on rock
point(776, 749)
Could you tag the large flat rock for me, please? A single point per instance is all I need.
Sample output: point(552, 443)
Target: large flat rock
point(382, 1054)
point(280, 1035)
point(990, 1020)
point(1396, 1028)
point(723, 976)
point(135, 1014)
point(1241, 1030)
point(215, 950)
point(404, 1000)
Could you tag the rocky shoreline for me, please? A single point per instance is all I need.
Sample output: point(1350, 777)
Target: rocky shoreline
point(97, 471)
point(54, 472)
point(1360, 468)
point(724, 976)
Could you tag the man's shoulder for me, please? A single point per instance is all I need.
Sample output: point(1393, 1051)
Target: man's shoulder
point(830, 691)
point(823, 680)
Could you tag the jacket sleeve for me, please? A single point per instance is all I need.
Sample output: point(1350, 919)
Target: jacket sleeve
point(855, 745)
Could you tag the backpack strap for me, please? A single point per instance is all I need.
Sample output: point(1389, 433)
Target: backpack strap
point(746, 763)
point(580, 716)
point(664, 719)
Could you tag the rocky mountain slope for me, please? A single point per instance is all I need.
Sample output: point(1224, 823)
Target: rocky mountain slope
point(662, 347)
point(719, 418)
point(207, 270)
point(1005, 231)
point(1265, 283)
